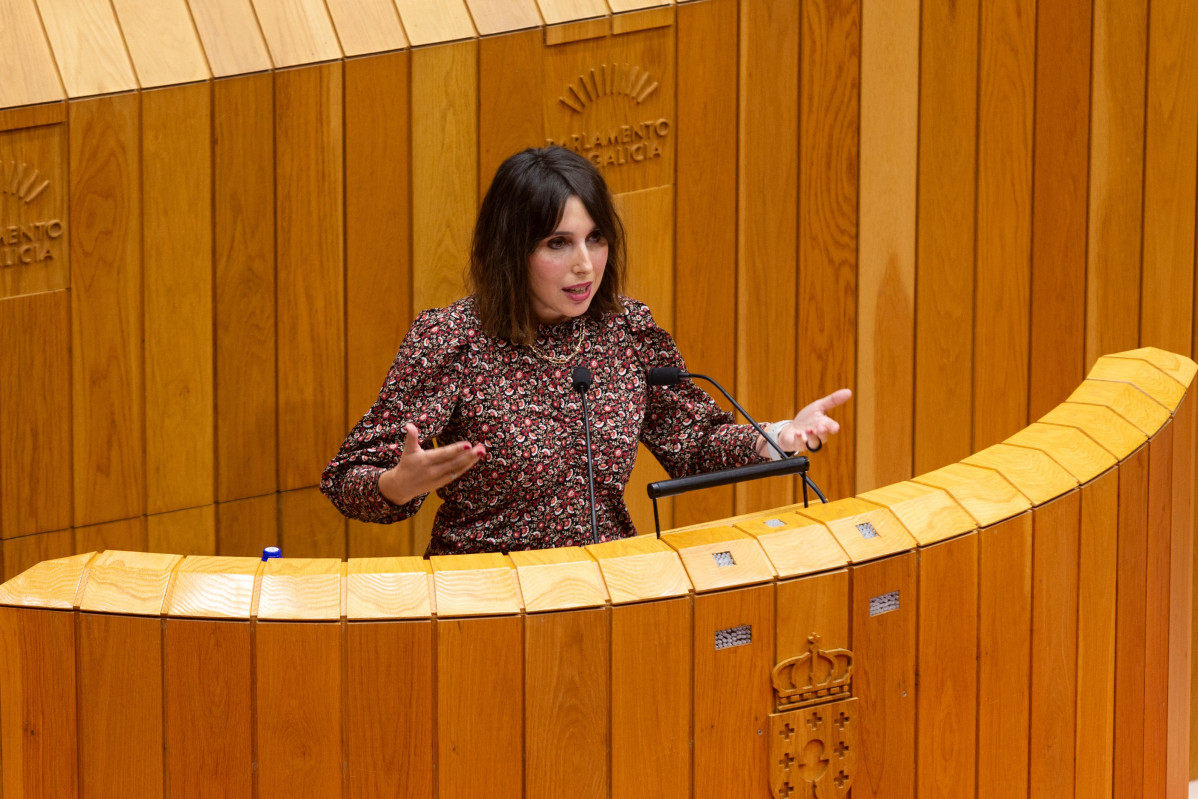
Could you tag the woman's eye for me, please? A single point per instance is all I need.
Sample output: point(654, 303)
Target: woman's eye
point(555, 243)
point(596, 237)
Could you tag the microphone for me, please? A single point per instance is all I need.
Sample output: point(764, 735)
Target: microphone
point(581, 379)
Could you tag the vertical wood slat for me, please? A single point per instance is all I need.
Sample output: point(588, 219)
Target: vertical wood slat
point(297, 32)
point(230, 36)
point(1053, 694)
point(120, 706)
point(176, 231)
point(191, 531)
point(1130, 624)
point(1062, 114)
point(886, 234)
point(19, 554)
point(245, 317)
point(1181, 583)
point(706, 191)
point(1004, 650)
point(1170, 172)
point(948, 98)
point(162, 42)
point(310, 526)
point(567, 699)
point(208, 703)
point(390, 733)
point(123, 534)
point(245, 526)
point(480, 707)
point(511, 82)
point(88, 47)
point(34, 194)
point(1119, 51)
point(884, 678)
point(25, 58)
point(1156, 631)
point(35, 413)
point(948, 650)
point(106, 310)
point(766, 238)
point(1006, 77)
point(309, 203)
point(651, 727)
point(299, 709)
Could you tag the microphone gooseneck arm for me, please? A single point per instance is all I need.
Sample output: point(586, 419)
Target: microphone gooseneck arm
point(670, 375)
point(582, 379)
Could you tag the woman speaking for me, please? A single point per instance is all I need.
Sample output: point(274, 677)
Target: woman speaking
point(489, 377)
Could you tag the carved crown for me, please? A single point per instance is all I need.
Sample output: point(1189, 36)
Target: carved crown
point(814, 676)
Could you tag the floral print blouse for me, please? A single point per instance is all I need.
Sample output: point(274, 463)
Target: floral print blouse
point(530, 491)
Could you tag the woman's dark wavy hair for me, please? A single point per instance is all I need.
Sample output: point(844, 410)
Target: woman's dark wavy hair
point(523, 206)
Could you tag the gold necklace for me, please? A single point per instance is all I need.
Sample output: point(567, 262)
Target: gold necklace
point(540, 353)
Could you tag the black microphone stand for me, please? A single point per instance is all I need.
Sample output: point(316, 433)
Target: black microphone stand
point(581, 378)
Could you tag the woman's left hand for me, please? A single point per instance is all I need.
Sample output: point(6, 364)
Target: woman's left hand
point(812, 426)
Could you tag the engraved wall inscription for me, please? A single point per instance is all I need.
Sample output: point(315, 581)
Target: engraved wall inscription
point(33, 228)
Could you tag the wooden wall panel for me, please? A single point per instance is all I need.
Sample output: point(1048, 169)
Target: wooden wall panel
point(177, 251)
point(25, 57)
point(567, 698)
point(1157, 571)
point(651, 726)
point(430, 23)
point(1098, 545)
point(1056, 530)
point(125, 534)
point(1170, 171)
point(390, 734)
point(245, 319)
point(498, 16)
point(948, 103)
point(299, 709)
point(732, 693)
point(444, 170)
point(297, 31)
point(183, 532)
point(1004, 652)
point(884, 678)
point(208, 706)
point(120, 706)
point(767, 258)
point(511, 82)
point(106, 310)
point(1006, 76)
point(162, 41)
point(34, 189)
point(35, 414)
point(888, 155)
point(309, 208)
point(1181, 585)
point(1059, 201)
point(705, 178)
point(309, 525)
point(19, 554)
point(364, 27)
point(88, 47)
point(812, 605)
point(1117, 85)
point(245, 527)
point(231, 37)
point(1130, 625)
point(948, 650)
point(480, 706)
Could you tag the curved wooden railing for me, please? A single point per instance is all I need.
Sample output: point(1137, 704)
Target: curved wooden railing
point(1015, 624)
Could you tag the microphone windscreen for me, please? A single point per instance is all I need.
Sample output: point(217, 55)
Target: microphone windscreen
point(665, 376)
point(581, 378)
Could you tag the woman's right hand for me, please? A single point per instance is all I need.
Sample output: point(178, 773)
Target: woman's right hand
point(421, 471)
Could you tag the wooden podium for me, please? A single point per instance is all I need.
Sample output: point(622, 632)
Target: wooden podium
point(1017, 624)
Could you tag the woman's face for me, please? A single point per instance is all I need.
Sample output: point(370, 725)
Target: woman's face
point(566, 267)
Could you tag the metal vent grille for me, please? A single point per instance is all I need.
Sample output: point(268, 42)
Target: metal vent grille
point(867, 530)
point(733, 636)
point(723, 559)
point(884, 603)
point(774, 523)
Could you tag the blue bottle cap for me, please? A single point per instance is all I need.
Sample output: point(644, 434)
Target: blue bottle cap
point(271, 552)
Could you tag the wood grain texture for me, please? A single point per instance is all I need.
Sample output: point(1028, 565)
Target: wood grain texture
point(434, 23)
point(812, 606)
point(298, 724)
point(767, 192)
point(1113, 251)
point(183, 532)
point(208, 704)
point(38, 716)
point(19, 554)
point(244, 243)
point(948, 650)
point(1077, 453)
point(444, 169)
point(826, 334)
point(567, 701)
point(106, 310)
point(232, 39)
point(120, 707)
point(309, 525)
point(862, 529)
point(176, 161)
point(162, 42)
point(985, 494)
point(558, 579)
point(1004, 651)
point(25, 58)
point(245, 527)
point(1170, 175)
point(1037, 476)
point(388, 588)
point(1181, 638)
point(35, 236)
point(886, 236)
point(1110, 430)
point(1096, 572)
point(35, 408)
point(501, 16)
point(558, 11)
point(732, 693)
point(928, 514)
point(1062, 119)
point(799, 547)
point(1128, 401)
point(131, 583)
point(309, 207)
point(705, 174)
point(213, 587)
point(1006, 80)
point(88, 47)
point(366, 27)
point(1130, 624)
point(301, 589)
point(475, 585)
point(640, 567)
point(1055, 532)
point(651, 716)
point(297, 32)
point(127, 535)
point(1157, 573)
point(389, 734)
point(480, 676)
point(946, 234)
point(1154, 382)
point(511, 80)
point(703, 553)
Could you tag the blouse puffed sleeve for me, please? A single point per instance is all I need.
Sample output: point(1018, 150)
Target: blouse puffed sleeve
point(684, 428)
point(422, 388)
